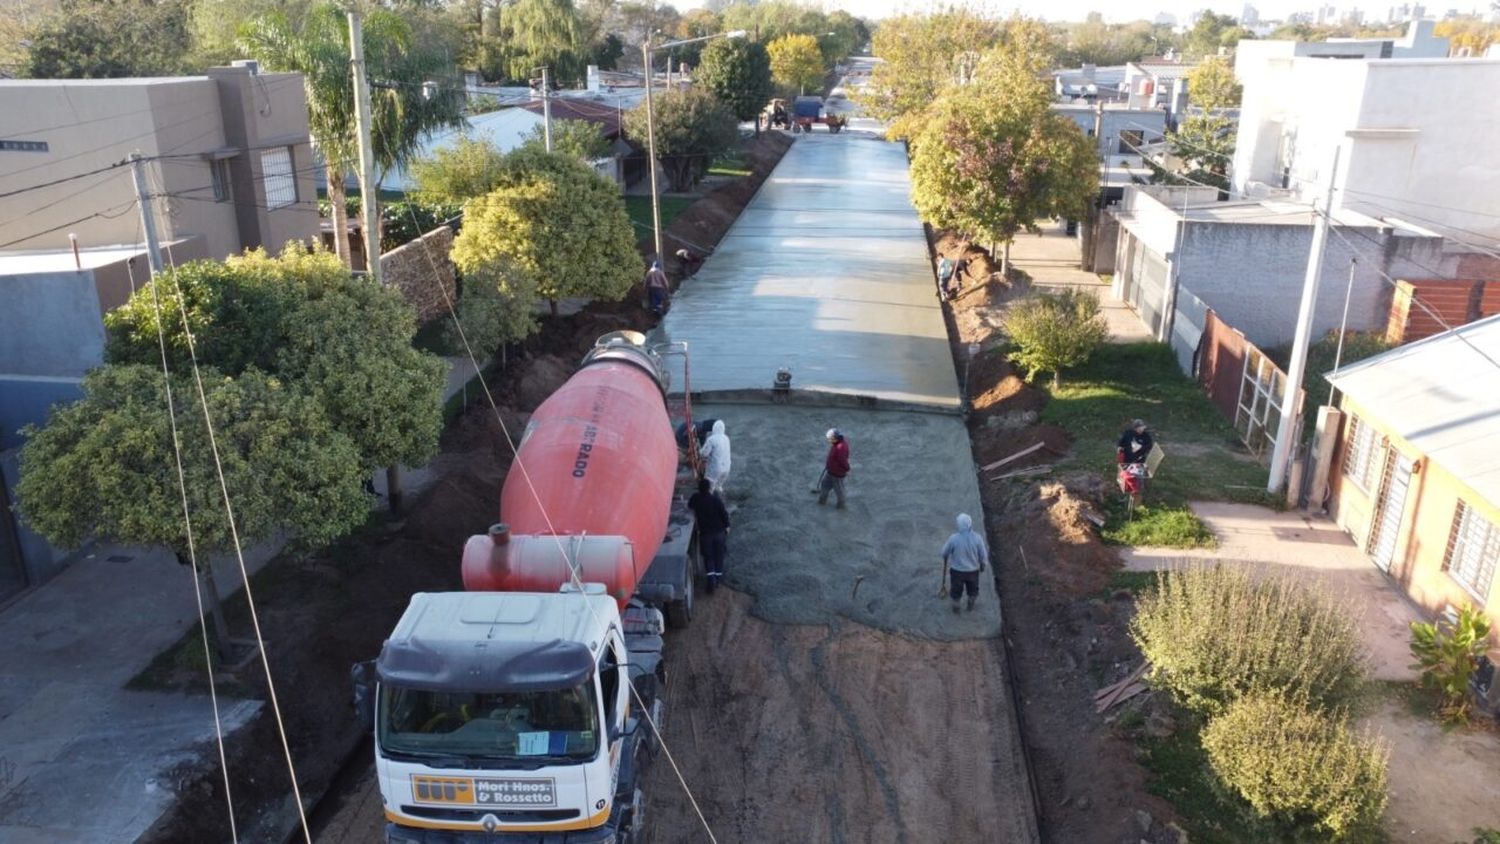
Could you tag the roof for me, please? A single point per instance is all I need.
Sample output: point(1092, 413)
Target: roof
point(1273, 212)
point(1441, 395)
point(506, 129)
point(495, 641)
point(568, 108)
point(61, 260)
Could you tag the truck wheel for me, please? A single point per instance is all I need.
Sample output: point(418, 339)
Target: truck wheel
point(680, 612)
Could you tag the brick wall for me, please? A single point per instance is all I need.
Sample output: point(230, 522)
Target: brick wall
point(410, 269)
point(1456, 301)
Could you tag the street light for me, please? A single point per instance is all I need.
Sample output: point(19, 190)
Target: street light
point(646, 51)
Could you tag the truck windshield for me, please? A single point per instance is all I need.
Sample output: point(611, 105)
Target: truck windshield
point(518, 726)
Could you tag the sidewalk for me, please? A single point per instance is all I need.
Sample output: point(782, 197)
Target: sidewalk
point(1303, 547)
point(1053, 262)
point(82, 759)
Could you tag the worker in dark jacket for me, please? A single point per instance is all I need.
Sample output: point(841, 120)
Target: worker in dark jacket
point(713, 530)
point(1135, 444)
point(835, 468)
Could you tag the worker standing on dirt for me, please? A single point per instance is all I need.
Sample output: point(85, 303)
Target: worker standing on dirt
point(713, 531)
point(835, 468)
point(658, 288)
point(965, 556)
point(715, 454)
point(1135, 444)
point(945, 276)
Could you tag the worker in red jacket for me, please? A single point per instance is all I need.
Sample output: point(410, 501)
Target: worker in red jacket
point(835, 469)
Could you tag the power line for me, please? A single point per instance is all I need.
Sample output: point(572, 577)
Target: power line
point(239, 553)
point(99, 214)
point(577, 581)
point(187, 519)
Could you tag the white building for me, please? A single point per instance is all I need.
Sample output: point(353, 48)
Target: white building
point(1416, 136)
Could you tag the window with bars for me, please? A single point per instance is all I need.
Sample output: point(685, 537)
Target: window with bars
point(1473, 548)
point(219, 168)
point(277, 178)
point(1362, 453)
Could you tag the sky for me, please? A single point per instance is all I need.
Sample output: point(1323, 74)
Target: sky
point(1077, 10)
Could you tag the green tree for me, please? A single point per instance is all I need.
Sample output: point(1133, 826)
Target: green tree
point(738, 72)
point(797, 62)
point(922, 55)
point(544, 33)
point(581, 139)
point(95, 39)
point(342, 340)
point(495, 307)
point(1053, 331)
point(992, 158)
point(557, 221)
point(692, 129)
point(1211, 32)
point(105, 467)
point(317, 46)
point(456, 174)
point(1212, 84)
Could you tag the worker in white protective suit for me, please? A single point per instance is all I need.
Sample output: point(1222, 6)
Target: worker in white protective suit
point(715, 454)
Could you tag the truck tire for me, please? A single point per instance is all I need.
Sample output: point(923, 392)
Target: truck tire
point(680, 612)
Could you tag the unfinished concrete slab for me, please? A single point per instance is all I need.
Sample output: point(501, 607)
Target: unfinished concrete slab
point(876, 561)
point(825, 273)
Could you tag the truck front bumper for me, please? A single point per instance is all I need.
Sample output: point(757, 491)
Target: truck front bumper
point(396, 834)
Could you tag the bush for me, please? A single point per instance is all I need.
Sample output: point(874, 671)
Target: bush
point(1055, 330)
point(1447, 655)
point(1213, 634)
point(1299, 767)
point(496, 306)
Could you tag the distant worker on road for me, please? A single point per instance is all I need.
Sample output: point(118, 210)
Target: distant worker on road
point(658, 288)
point(690, 262)
point(1135, 444)
point(715, 454)
point(713, 531)
point(965, 556)
point(835, 468)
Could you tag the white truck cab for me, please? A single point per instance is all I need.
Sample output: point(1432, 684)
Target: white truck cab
point(509, 716)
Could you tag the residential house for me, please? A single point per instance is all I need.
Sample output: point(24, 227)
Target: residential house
point(1089, 83)
point(1416, 475)
point(230, 168)
point(1118, 130)
point(505, 129)
point(1411, 133)
point(629, 161)
point(231, 161)
point(1180, 253)
point(1158, 83)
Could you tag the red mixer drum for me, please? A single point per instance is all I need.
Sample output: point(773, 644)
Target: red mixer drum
point(591, 487)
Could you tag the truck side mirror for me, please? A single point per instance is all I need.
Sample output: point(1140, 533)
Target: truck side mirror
point(363, 676)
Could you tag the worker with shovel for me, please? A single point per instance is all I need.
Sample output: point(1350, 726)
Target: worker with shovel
point(964, 556)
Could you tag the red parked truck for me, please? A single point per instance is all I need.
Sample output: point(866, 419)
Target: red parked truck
point(517, 710)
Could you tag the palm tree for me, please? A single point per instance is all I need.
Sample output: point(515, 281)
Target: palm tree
point(405, 107)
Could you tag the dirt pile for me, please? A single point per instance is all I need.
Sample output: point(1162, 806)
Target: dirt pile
point(955, 248)
point(538, 377)
point(993, 443)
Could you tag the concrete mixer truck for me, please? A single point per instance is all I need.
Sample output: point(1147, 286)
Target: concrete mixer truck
point(515, 710)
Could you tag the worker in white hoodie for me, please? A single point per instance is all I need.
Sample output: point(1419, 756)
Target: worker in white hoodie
point(715, 454)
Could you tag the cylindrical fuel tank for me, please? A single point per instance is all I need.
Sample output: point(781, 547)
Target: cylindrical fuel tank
point(600, 461)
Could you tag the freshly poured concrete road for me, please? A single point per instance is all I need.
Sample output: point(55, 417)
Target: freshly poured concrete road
point(826, 272)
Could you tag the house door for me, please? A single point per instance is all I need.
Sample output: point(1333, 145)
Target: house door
point(1392, 504)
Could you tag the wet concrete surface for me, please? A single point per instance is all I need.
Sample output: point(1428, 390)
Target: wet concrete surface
point(825, 273)
point(876, 561)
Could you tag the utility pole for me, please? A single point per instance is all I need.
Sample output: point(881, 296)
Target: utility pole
point(367, 188)
point(1298, 365)
point(148, 214)
point(547, 109)
point(651, 149)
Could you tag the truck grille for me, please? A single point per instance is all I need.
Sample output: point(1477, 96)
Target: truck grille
point(446, 814)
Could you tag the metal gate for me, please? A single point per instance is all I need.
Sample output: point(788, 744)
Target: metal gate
point(1390, 506)
point(1257, 414)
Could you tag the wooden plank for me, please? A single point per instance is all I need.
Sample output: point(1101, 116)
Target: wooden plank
point(1034, 470)
point(1017, 456)
point(1120, 697)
